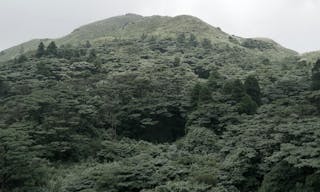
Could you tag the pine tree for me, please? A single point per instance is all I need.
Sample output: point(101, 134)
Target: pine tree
point(316, 76)
point(88, 44)
point(4, 88)
point(41, 50)
point(52, 49)
point(252, 88)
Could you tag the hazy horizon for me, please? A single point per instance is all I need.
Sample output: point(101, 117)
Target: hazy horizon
point(291, 23)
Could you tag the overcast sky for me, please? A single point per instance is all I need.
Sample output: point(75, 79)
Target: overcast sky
point(293, 23)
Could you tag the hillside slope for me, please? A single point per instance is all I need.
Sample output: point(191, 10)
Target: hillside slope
point(132, 26)
point(311, 56)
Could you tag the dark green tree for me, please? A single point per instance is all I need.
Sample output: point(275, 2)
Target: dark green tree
point(181, 38)
point(88, 45)
point(316, 76)
point(52, 49)
point(43, 68)
point(20, 168)
point(247, 105)
point(4, 88)
point(22, 58)
point(41, 50)
point(202, 72)
point(244, 102)
point(193, 40)
point(143, 36)
point(282, 177)
point(195, 94)
point(92, 55)
point(200, 93)
point(204, 94)
point(206, 43)
point(176, 61)
point(215, 80)
point(235, 88)
point(252, 88)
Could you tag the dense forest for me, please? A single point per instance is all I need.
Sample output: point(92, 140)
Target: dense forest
point(158, 104)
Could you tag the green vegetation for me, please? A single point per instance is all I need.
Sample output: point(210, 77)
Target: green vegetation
point(316, 76)
point(252, 88)
point(132, 26)
point(158, 104)
point(52, 49)
point(41, 50)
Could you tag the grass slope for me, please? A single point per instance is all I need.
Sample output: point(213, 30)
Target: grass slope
point(131, 26)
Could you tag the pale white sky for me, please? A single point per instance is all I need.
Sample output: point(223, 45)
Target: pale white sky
point(293, 23)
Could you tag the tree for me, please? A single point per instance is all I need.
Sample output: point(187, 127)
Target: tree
point(143, 36)
point(41, 50)
point(206, 43)
point(88, 44)
point(52, 49)
point(204, 94)
point(176, 61)
point(22, 58)
point(20, 168)
point(247, 105)
point(193, 40)
point(202, 72)
point(244, 102)
point(316, 76)
point(282, 177)
point(181, 38)
point(252, 88)
point(215, 80)
point(43, 69)
point(200, 93)
point(235, 88)
point(195, 94)
point(4, 88)
point(92, 56)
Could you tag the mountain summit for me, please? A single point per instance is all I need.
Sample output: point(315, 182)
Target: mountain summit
point(132, 26)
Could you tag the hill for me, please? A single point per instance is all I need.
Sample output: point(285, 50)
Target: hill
point(311, 56)
point(132, 26)
point(157, 104)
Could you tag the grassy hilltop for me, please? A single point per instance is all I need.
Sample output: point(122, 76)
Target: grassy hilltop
point(132, 26)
